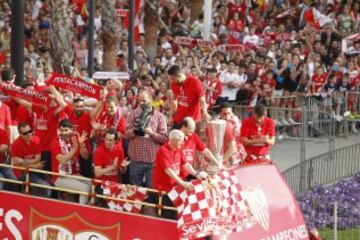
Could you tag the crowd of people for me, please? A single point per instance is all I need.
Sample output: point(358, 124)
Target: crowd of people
point(263, 53)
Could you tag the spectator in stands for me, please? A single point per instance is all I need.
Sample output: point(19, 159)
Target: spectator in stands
point(66, 150)
point(189, 97)
point(257, 136)
point(25, 152)
point(146, 130)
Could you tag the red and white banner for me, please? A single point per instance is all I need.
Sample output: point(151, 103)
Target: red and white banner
point(24, 217)
point(315, 18)
point(194, 42)
point(125, 192)
point(75, 85)
point(233, 48)
point(217, 205)
point(249, 203)
point(27, 94)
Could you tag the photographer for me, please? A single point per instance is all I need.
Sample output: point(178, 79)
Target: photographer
point(146, 130)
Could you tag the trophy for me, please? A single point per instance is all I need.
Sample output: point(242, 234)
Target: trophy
point(216, 133)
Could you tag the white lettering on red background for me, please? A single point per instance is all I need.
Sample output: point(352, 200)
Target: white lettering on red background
point(74, 82)
point(9, 217)
point(296, 233)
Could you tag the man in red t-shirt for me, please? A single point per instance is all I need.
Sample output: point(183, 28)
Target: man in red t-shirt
point(81, 121)
point(25, 152)
point(167, 170)
point(189, 97)
point(47, 120)
point(4, 149)
point(5, 118)
point(65, 151)
point(213, 87)
point(235, 150)
point(108, 158)
point(192, 143)
point(257, 136)
point(110, 118)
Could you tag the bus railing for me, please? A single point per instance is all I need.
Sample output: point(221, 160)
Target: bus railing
point(92, 194)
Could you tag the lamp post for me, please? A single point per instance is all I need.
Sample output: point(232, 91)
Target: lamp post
point(17, 39)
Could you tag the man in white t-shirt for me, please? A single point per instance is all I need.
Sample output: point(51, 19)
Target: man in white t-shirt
point(251, 37)
point(231, 82)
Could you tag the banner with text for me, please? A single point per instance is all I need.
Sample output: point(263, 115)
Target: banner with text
point(246, 203)
point(23, 217)
point(27, 94)
point(75, 85)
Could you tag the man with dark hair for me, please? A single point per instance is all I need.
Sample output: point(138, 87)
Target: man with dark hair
point(66, 150)
point(213, 87)
point(25, 152)
point(189, 97)
point(229, 150)
point(8, 75)
point(108, 158)
point(81, 121)
point(257, 136)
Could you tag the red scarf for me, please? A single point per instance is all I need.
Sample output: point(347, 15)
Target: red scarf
point(71, 167)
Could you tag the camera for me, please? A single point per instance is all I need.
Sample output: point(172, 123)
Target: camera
point(141, 121)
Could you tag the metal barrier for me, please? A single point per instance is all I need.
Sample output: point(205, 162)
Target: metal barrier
point(92, 194)
point(323, 169)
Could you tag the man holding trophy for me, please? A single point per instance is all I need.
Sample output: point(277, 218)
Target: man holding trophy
point(192, 143)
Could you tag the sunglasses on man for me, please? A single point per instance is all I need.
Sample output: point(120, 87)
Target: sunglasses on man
point(27, 132)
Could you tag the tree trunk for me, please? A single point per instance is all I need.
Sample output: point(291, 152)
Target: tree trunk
point(108, 36)
point(151, 22)
point(62, 51)
point(196, 8)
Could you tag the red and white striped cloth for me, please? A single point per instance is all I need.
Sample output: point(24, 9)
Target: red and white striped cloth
point(215, 207)
point(125, 192)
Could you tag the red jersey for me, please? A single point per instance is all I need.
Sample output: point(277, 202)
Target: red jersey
point(24, 150)
point(251, 129)
point(4, 140)
point(270, 82)
point(5, 116)
point(13, 105)
point(80, 123)
point(318, 81)
point(46, 124)
point(166, 158)
point(104, 157)
point(191, 144)
point(187, 96)
point(71, 167)
point(212, 96)
point(25, 115)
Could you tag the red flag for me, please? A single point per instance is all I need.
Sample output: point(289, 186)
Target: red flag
point(75, 85)
point(27, 94)
point(124, 192)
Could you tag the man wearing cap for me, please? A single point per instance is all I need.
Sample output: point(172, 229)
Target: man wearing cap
point(257, 136)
